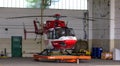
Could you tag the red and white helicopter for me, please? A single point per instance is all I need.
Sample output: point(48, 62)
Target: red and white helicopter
point(58, 35)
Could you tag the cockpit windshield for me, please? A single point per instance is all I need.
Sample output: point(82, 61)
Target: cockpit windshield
point(59, 32)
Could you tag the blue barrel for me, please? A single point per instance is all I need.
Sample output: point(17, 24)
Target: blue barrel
point(99, 52)
point(96, 52)
point(94, 55)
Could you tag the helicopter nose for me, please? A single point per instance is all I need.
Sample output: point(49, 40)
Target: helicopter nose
point(66, 44)
point(70, 42)
point(59, 43)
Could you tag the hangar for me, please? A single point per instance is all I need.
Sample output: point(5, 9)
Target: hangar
point(95, 22)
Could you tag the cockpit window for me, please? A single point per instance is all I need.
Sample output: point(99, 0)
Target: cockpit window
point(59, 32)
point(64, 32)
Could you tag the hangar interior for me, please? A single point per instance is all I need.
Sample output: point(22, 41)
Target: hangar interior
point(103, 31)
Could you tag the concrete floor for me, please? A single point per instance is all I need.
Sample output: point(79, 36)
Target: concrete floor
point(31, 62)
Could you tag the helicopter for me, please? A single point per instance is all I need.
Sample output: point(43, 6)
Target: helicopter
point(59, 35)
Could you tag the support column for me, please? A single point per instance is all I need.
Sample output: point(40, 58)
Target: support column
point(90, 10)
point(112, 24)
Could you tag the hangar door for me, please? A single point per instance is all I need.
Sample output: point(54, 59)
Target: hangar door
point(16, 42)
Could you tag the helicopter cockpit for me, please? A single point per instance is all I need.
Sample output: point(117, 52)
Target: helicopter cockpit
point(59, 32)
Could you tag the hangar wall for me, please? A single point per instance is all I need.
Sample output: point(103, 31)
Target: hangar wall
point(15, 27)
point(117, 24)
point(106, 28)
point(101, 25)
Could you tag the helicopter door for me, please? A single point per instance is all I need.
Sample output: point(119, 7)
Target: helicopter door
point(51, 34)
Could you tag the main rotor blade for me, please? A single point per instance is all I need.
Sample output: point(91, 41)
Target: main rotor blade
point(84, 18)
point(92, 18)
point(100, 18)
point(33, 16)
